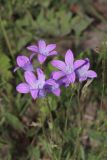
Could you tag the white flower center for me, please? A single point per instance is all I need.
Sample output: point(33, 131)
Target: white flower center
point(81, 72)
point(38, 84)
point(68, 69)
point(55, 86)
point(45, 53)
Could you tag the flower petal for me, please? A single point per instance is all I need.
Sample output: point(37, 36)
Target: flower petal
point(22, 60)
point(65, 81)
point(79, 63)
point(22, 88)
point(91, 74)
point(33, 48)
point(42, 46)
point(82, 71)
point(71, 77)
point(57, 75)
point(60, 82)
point(85, 64)
point(58, 64)
point(50, 82)
point(69, 58)
point(50, 47)
point(34, 93)
point(41, 75)
point(41, 58)
point(56, 92)
point(53, 53)
point(30, 78)
point(42, 93)
point(28, 67)
point(82, 79)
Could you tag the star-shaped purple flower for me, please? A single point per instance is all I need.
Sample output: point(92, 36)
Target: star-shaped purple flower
point(33, 85)
point(82, 70)
point(24, 63)
point(42, 50)
point(66, 68)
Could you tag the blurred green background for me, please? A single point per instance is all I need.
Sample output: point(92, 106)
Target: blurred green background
point(74, 126)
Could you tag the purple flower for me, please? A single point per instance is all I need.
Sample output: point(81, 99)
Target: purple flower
point(24, 63)
point(42, 50)
point(82, 70)
point(53, 87)
point(66, 69)
point(33, 85)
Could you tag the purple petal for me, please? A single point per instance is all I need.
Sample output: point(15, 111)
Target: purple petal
point(22, 60)
point(69, 58)
point(34, 93)
point(28, 67)
point(82, 79)
point(50, 47)
point(79, 63)
point(53, 53)
point(57, 75)
point(60, 82)
point(59, 64)
point(50, 82)
point(65, 81)
point(41, 58)
point(84, 68)
point(42, 93)
point(56, 92)
point(71, 77)
point(30, 78)
point(33, 48)
point(41, 75)
point(42, 46)
point(91, 74)
point(23, 88)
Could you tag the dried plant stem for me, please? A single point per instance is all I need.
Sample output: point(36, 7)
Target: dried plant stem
point(103, 82)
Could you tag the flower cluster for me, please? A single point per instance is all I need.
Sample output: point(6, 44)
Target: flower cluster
point(68, 71)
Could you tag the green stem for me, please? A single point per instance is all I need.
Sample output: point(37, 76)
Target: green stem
point(6, 38)
point(79, 123)
point(49, 108)
point(67, 111)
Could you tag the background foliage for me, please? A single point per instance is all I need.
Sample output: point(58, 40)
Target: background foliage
point(74, 126)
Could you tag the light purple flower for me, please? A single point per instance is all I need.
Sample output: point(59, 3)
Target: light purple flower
point(24, 63)
point(33, 85)
point(42, 50)
point(53, 87)
point(66, 68)
point(82, 70)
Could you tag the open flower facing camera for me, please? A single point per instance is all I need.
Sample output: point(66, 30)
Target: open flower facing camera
point(68, 71)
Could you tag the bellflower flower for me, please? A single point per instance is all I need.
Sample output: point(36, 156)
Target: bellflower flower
point(66, 74)
point(42, 50)
point(33, 85)
point(66, 68)
point(24, 63)
point(82, 70)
